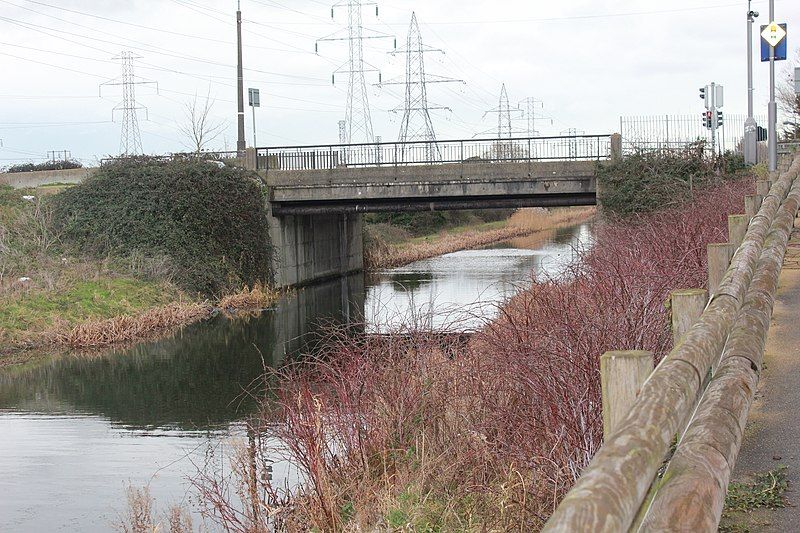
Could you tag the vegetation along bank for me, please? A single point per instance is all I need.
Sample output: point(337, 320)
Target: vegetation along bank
point(140, 248)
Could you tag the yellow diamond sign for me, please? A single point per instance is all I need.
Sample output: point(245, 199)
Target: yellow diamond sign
point(773, 34)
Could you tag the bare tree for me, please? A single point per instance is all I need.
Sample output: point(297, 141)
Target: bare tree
point(199, 128)
point(789, 101)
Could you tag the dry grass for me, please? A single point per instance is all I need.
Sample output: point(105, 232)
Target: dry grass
point(256, 299)
point(139, 518)
point(523, 222)
point(130, 328)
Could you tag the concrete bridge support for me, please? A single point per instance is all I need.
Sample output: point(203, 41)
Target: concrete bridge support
point(312, 248)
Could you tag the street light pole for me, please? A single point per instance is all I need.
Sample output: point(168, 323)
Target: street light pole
point(750, 126)
point(773, 106)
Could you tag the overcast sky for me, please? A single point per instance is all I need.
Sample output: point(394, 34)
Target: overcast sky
point(589, 63)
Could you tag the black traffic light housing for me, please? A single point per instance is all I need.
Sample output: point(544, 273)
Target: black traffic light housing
point(761, 134)
point(719, 119)
point(702, 93)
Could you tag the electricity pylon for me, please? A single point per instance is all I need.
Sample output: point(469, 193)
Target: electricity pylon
point(358, 118)
point(504, 117)
point(416, 124)
point(529, 106)
point(131, 138)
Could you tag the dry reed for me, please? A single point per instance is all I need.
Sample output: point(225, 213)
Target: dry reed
point(257, 298)
point(130, 328)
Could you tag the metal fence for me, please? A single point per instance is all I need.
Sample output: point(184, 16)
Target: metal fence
point(328, 157)
point(679, 131)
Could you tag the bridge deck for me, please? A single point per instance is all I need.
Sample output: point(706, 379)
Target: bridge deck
point(467, 185)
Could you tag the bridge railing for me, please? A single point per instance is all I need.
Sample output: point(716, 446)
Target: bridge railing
point(523, 149)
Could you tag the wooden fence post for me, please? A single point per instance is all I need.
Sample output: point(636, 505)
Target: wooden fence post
point(737, 229)
point(762, 187)
point(752, 203)
point(719, 259)
point(687, 306)
point(622, 375)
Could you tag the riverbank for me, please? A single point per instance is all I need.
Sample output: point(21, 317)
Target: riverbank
point(51, 299)
point(522, 223)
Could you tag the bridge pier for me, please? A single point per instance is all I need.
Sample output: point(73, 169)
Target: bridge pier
point(313, 248)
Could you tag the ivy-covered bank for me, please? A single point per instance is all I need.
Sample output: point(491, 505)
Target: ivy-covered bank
point(143, 245)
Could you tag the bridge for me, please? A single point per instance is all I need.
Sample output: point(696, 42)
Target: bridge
point(318, 194)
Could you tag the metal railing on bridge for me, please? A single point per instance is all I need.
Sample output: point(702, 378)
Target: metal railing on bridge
point(524, 149)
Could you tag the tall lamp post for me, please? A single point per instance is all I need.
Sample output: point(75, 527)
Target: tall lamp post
point(750, 126)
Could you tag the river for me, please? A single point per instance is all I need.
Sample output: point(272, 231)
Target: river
point(76, 429)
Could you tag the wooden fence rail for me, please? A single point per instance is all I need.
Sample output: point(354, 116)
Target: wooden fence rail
point(611, 491)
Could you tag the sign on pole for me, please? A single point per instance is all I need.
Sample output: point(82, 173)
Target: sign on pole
point(719, 96)
point(255, 97)
point(774, 35)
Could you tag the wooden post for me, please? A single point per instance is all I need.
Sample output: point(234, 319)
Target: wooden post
point(752, 204)
point(719, 259)
point(622, 375)
point(737, 229)
point(762, 187)
point(687, 306)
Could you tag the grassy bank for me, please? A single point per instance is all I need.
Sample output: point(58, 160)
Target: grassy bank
point(386, 249)
point(142, 248)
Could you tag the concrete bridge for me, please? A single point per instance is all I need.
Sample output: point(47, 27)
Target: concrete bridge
point(318, 194)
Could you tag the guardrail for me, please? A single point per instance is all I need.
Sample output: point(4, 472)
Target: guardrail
point(329, 157)
point(700, 394)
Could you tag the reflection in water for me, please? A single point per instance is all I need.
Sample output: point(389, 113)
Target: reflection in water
point(460, 291)
point(74, 429)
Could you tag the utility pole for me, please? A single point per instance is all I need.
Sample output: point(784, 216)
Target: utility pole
point(772, 140)
point(750, 126)
point(241, 144)
point(131, 138)
point(416, 124)
point(358, 118)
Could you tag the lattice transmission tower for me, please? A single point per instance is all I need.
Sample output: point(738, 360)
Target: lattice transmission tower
point(529, 108)
point(358, 118)
point(505, 117)
point(131, 138)
point(416, 124)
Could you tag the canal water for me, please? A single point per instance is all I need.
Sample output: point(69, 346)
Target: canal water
point(75, 430)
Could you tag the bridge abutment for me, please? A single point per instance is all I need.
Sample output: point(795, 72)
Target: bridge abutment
point(313, 248)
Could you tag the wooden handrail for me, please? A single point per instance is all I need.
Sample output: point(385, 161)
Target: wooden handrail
point(610, 492)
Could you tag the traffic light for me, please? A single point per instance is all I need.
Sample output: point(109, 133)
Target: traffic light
point(719, 119)
point(707, 117)
point(761, 134)
point(702, 93)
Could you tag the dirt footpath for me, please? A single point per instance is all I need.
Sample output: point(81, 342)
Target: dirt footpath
point(772, 437)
